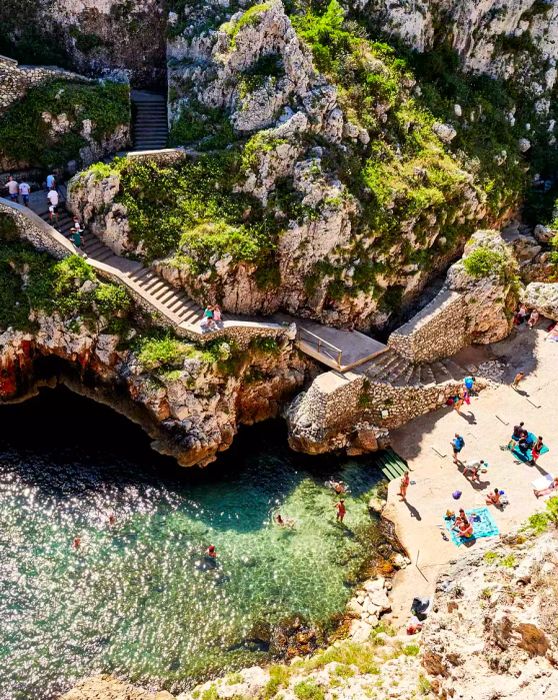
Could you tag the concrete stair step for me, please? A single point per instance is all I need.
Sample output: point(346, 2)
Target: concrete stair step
point(455, 370)
point(427, 375)
point(398, 369)
point(164, 295)
point(440, 372)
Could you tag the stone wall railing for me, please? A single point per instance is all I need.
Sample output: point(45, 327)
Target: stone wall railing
point(335, 403)
point(15, 80)
point(435, 332)
point(46, 238)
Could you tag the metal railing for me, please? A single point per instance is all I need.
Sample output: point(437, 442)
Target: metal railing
point(320, 343)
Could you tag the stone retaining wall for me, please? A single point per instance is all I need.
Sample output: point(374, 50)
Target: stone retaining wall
point(332, 412)
point(435, 332)
point(15, 80)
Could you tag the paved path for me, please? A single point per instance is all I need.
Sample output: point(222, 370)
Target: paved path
point(420, 519)
point(174, 305)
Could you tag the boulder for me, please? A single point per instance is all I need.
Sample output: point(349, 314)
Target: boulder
point(543, 297)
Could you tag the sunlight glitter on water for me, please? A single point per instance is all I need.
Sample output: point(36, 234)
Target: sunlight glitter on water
point(140, 598)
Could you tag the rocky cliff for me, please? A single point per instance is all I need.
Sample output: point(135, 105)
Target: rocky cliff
point(96, 37)
point(61, 323)
point(331, 175)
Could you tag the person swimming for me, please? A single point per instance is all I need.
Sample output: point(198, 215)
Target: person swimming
point(338, 486)
point(211, 552)
point(284, 522)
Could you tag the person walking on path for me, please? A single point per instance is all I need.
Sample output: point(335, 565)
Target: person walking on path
point(403, 486)
point(518, 378)
point(53, 200)
point(24, 191)
point(457, 444)
point(50, 182)
point(13, 189)
point(75, 237)
point(341, 510)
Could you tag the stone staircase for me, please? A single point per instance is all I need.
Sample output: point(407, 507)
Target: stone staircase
point(149, 121)
point(392, 368)
point(173, 303)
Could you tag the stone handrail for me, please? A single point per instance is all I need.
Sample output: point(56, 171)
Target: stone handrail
point(46, 238)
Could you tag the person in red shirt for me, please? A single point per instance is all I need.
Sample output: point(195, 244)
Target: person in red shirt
point(341, 510)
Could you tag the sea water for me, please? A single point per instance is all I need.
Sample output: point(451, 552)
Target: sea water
point(139, 598)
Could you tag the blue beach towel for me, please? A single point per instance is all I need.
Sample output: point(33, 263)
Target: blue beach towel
point(527, 457)
point(483, 526)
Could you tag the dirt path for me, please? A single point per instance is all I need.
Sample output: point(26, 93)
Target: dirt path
point(419, 521)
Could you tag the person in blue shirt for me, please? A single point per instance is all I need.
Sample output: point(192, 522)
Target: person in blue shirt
point(469, 382)
point(457, 444)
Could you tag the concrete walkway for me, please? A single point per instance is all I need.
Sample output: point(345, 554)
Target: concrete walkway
point(486, 429)
point(329, 346)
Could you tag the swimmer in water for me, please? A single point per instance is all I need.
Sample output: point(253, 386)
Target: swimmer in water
point(112, 520)
point(284, 522)
point(211, 551)
point(76, 543)
point(338, 486)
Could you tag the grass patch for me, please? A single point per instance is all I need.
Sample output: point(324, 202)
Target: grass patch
point(484, 262)
point(278, 678)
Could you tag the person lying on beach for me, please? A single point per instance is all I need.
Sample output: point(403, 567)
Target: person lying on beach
point(493, 498)
point(549, 489)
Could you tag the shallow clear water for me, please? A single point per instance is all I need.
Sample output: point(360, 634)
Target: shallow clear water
point(138, 598)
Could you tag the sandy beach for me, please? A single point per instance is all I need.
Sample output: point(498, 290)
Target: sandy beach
point(486, 425)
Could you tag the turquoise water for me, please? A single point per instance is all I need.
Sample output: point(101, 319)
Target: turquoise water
point(139, 598)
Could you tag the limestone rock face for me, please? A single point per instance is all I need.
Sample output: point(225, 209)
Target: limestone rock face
point(493, 622)
point(109, 688)
point(489, 299)
point(487, 34)
point(191, 413)
point(543, 297)
point(98, 37)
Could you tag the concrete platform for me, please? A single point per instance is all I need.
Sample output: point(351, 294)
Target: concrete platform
point(336, 348)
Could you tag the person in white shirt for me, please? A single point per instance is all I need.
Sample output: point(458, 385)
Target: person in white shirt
point(53, 199)
point(13, 189)
point(24, 190)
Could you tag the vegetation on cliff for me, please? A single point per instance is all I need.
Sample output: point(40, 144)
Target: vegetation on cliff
point(31, 281)
point(46, 127)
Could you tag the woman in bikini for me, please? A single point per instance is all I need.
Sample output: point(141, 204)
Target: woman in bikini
point(536, 450)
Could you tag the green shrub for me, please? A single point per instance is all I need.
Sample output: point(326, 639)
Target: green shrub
point(251, 17)
point(484, 262)
point(209, 128)
point(278, 678)
point(308, 690)
point(165, 351)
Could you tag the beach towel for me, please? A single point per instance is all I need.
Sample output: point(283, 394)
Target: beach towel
point(483, 526)
point(527, 457)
